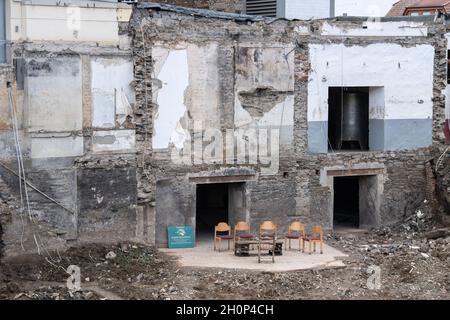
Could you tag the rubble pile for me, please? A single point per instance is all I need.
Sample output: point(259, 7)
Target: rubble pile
point(55, 293)
point(443, 182)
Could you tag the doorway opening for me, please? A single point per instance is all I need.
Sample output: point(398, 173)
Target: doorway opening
point(218, 202)
point(346, 202)
point(212, 208)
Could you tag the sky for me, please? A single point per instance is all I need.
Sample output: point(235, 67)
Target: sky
point(363, 7)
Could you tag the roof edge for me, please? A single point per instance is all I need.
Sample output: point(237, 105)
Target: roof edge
point(244, 17)
point(200, 12)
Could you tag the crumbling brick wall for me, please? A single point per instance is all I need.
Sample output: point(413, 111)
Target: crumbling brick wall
point(234, 6)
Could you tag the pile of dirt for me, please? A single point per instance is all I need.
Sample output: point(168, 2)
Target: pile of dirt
point(111, 267)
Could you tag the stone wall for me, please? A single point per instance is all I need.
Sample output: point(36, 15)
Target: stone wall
point(234, 6)
point(302, 188)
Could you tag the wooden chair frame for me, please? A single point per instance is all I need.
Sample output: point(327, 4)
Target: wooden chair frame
point(295, 226)
point(316, 236)
point(222, 227)
point(268, 226)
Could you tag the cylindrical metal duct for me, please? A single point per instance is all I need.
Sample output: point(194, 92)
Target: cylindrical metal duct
point(354, 119)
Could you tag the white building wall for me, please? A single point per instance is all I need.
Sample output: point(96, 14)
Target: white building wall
point(307, 9)
point(363, 8)
point(407, 96)
point(400, 101)
point(46, 21)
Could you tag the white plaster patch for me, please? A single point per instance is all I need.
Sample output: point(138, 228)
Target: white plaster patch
point(111, 91)
point(377, 29)
point(53, 89)
point(302, 30)
point(186, 77)
point(405, 73)
point(55, 147)
point(174, 79)
point(113, 140)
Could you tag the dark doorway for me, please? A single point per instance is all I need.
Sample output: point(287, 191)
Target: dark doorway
point(348, 118)
point(346, 202)
point(212, 208)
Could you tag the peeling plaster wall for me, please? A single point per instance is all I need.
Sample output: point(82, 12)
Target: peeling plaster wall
point(50, 96)
point(171, 82)
point(185, 88)
point(112, 94)
point(270, 68)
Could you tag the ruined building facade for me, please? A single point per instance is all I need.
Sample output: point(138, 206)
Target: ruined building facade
point(243, 74)
point(188, 117)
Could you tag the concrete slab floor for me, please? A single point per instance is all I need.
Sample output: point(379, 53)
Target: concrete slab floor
point(203, 256)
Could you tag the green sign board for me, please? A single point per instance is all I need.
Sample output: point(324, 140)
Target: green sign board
point(180, 237)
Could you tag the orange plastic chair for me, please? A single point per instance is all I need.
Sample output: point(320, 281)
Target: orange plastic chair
point(316, 236)
point(296, 231)
point(222, 232)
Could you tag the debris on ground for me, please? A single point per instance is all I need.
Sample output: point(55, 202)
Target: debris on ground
point(413, 259)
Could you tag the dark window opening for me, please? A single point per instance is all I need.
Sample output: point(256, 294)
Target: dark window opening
point(212, 208)
point(346, 202)
point(348, 118)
